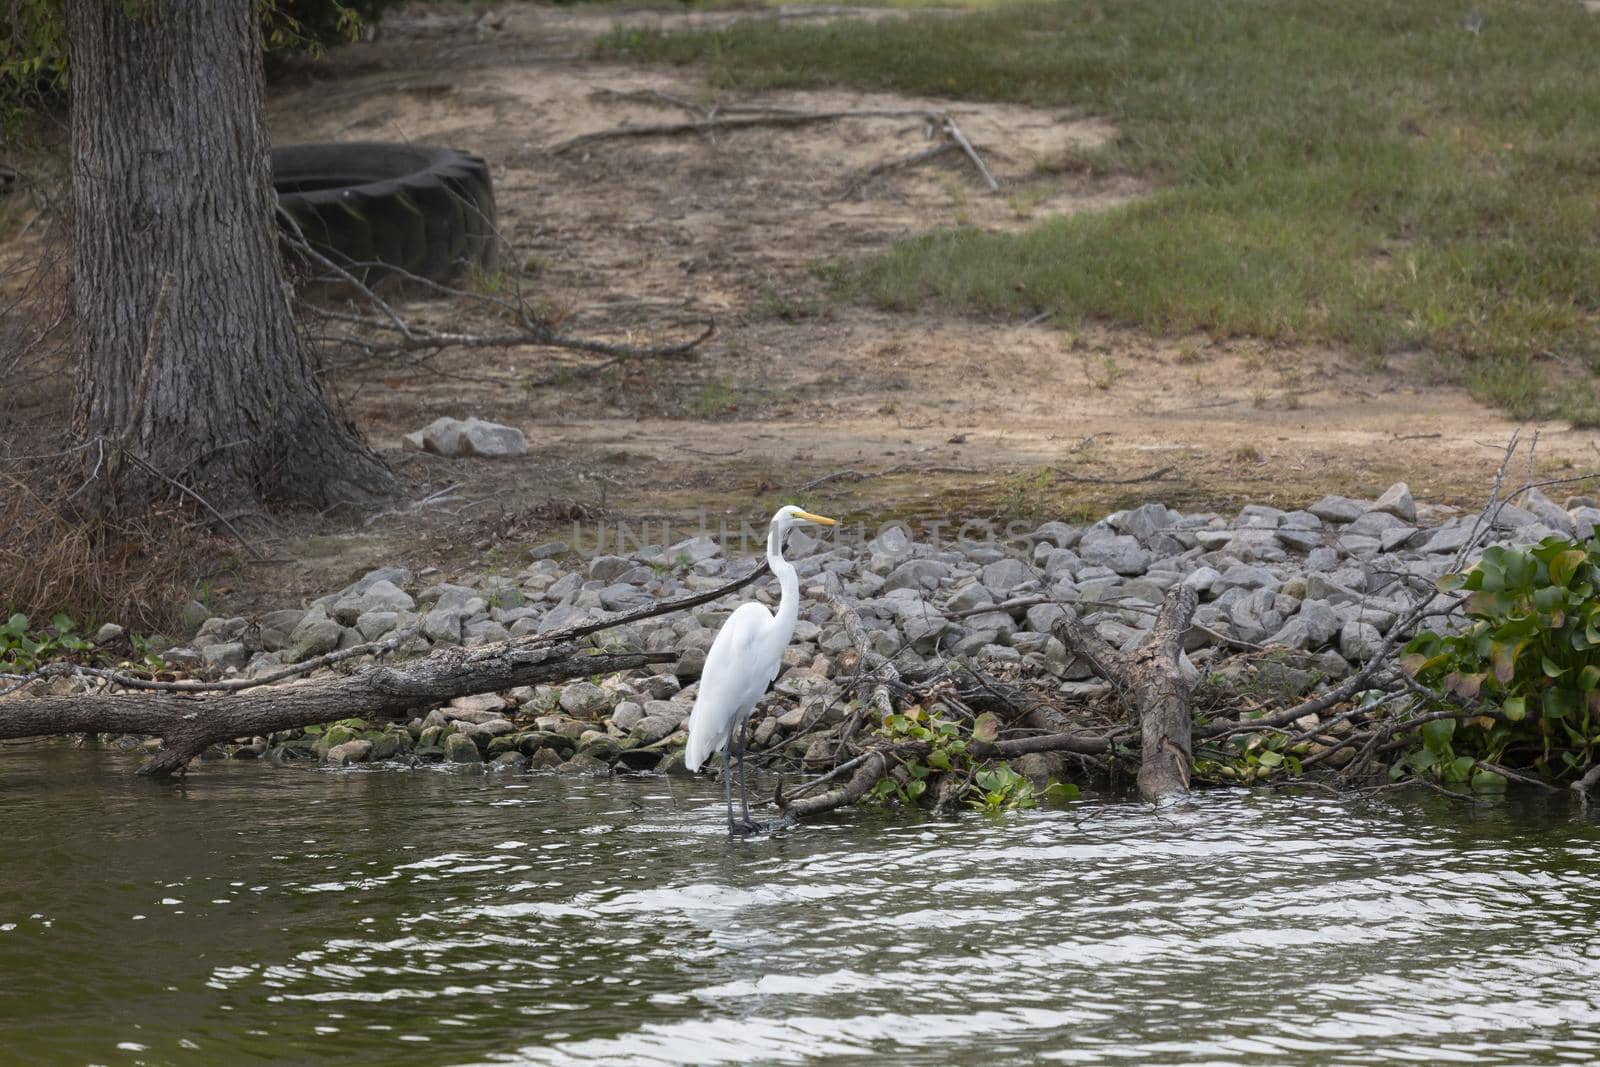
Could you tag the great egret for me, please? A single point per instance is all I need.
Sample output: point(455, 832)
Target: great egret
point(743, 661)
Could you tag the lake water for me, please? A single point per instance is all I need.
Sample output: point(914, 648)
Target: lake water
point(260, 914)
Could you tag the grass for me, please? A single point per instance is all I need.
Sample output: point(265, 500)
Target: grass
point(1366, 173)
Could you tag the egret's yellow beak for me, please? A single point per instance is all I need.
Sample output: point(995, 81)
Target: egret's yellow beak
point(820, 520)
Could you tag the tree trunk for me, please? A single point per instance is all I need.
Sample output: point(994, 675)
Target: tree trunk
point(188, 356)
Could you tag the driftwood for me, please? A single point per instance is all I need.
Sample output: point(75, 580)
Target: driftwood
point(190, 722)
point(1150, 675)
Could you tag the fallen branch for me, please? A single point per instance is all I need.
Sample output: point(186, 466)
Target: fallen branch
point(1150, 674)
point(198, 715)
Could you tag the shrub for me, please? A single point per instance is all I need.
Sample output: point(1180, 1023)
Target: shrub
point(1528, 663)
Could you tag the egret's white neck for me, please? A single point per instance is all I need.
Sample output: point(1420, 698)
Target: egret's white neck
point(788, 582)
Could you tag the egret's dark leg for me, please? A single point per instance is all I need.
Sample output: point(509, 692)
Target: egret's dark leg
point(727, 780)
point(744, 796)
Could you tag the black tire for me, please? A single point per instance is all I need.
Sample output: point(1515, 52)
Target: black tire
point(426, 211)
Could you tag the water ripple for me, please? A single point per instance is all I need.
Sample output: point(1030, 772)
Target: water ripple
point(393, 918)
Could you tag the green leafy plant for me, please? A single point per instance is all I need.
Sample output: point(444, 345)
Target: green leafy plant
point(990, 787)
point(23, 648)
point(1528, 660)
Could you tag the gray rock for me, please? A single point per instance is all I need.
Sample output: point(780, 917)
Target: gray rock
point(375, 624)
point(459, 748)
point(1062, 561)
point(549, 550)
point(1359, 641)
point(1202, 579)
point(193, 615)
point(399, 577)
point(483, 632)
point(442, 626)
point(467, 437)
point(1004, 575)
point(1585, 520)
point(1298, 538)
point(1321, 559)
point(277, 627)
point(585, 700)
point(1245, 576)
point(107, 633)
point(919, 574)
point(607, 569)
point(231, 654)
point(315, 635)
point(1121, 553)
point(1260, 517)
point(509, 763)
point(356, 751)
point(1448, 538)
point(1396, 500)
point(1043, 617)
point(1337, 509)
point(626, 715)
point(1145, 522)
point(1056, 533)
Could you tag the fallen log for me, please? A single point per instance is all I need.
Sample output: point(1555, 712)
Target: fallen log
point(1151, 677)
point(190, 721)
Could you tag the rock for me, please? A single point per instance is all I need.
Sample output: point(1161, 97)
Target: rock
point(1056, 533)
point(917, 574)
point(483, 632)
point(315, 635)
point(690, 663)
point(1337, 509)
point(1004, 575)
point(375, 624)
point(192, 616)
point(277, 627)
point(626, 715)
point(1585, 520)
point(509, 763)
point(230, 655)
point(1244, 576)
point(586, 765)
point(459, 748)
point(544, 759)
point(652, 728)
point(442, 626)
point(968, 598)
point(585, 700)
point(107, 633)
point(1043, 617)
point(1121, 553)
point(383, 595)
point(1146, 521)
point(1202, 579)
point(357, 751)
point(467, 437)
point(1359, 641)
point(1396, 500)
point(609, 568)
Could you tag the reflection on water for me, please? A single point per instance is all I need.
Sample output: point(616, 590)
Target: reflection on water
point(258, 914)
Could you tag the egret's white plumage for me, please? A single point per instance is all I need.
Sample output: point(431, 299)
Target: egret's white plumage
point(745, 658)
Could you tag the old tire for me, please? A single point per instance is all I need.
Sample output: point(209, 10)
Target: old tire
point(383, 211)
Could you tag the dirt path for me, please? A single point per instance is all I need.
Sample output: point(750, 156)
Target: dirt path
point(629, 237)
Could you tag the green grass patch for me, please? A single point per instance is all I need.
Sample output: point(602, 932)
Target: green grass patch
point(1367, 173)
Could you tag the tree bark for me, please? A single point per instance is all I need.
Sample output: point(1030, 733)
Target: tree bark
point(1150, 675)
point(188, 356)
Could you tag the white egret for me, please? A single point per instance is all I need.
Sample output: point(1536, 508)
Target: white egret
point(743, 661)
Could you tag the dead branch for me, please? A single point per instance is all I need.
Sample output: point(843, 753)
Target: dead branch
point(713, 124)
point(1151, 675)
point(189, 721)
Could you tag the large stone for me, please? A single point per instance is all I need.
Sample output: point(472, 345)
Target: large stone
point(357, 751)
point(1396, 500)
point(1004, 575)
point(1119, 552)
point(442, 626)
point(315, 635)
point(229, 655)
point(585, 700)
point(1337, 509)
point(919, 574)
point(459, 748)
point(468, 437)
point(383, 596)
point(1359, 641)
point(1244, 576)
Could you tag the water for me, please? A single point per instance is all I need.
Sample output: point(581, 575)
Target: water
point(261, 914)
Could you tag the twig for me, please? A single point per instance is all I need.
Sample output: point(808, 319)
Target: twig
point(960, 138)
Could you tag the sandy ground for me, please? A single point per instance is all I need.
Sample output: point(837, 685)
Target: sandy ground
point(639, 238)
